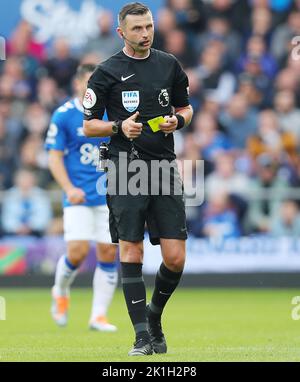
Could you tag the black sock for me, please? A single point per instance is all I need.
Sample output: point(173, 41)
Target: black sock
point(166, 282)
point(135, 296)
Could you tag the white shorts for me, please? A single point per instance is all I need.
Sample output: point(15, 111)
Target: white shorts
point(87, 223)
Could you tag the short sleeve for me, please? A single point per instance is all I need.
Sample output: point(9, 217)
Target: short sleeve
point(180, 91)
point(56, 136)
point(95, 98)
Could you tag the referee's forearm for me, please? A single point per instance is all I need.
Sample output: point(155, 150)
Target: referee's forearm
point(186, 112)
point(97, 128)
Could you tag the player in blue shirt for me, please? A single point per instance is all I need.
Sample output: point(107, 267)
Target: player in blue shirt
point(72, 162)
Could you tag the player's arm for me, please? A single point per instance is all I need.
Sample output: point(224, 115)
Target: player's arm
point(57, 168)
point(55, 144)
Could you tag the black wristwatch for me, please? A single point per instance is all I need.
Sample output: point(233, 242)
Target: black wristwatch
point(116, 127)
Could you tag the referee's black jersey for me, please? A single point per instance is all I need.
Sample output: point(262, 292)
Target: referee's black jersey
point(123, 85)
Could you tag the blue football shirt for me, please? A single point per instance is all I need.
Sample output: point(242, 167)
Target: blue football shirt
point(81, 153)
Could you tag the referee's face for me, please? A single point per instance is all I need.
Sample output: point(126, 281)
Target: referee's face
point(138, 31)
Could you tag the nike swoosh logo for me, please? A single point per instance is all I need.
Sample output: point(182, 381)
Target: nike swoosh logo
point(166, 294)
point(126, 78)
point(135, 302)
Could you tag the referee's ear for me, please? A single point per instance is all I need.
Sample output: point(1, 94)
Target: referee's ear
point(120, 32)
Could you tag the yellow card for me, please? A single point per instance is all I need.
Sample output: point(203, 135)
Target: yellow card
point(155, 122)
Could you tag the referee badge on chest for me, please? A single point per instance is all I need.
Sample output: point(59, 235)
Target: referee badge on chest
point(131, 100)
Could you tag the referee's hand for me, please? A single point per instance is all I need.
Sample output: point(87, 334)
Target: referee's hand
point(170, 125)
point(75, 195)
point(131, 128)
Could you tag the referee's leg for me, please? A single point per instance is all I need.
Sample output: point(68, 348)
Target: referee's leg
point(166, 281)
point(131, 256)
point(173, 253)
point(169, 273)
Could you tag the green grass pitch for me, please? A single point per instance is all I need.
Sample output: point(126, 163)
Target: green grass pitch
point(200, 325)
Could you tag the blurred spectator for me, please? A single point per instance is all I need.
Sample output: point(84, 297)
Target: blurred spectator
point(10, 138)
point(29, 53)
point(189, 14)
point(48, 94)
point(62, 66)
point(165, 22)
point(211, 105)
point(287, 79)
point(23, 44)
point(288, 223)
point(13, 83)
point(267, 190)
point(107, 42)
point(280, 8)
point(213, 80)
point(261, 24)
point(256, 52)
point(7, 157)
point(91, 58)
point(255, 89)
point(194, 89)
point(218, 220)
point(258, 68)
point(36, 120)
point(26, 209)
point(33, 156)
point(176, 43)
point(296, 5)
point(196, 171)
point(32, 153)
point(209, 139)
point(288, 114)
point(219, 30)
point(291, 63)
point(226, 178)
point(283, 35)
point(270, 139)
point(236, 12)
point(239, 121)
point(13, 123)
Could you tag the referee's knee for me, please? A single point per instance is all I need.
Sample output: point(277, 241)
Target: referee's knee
point(131, 252)
point(175, 262)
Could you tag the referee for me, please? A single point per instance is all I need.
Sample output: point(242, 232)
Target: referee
point(145, 94)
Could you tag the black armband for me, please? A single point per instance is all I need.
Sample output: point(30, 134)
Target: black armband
point(181, 121)
point(120, 131)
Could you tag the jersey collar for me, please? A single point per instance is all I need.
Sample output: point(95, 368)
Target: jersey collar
point(137, 58)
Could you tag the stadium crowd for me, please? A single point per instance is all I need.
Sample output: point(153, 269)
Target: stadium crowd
point(245, 91)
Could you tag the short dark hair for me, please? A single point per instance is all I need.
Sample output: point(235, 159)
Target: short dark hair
point(84, 69)
point(132, 9)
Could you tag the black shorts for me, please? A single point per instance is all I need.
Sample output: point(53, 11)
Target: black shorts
point(163, 215)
